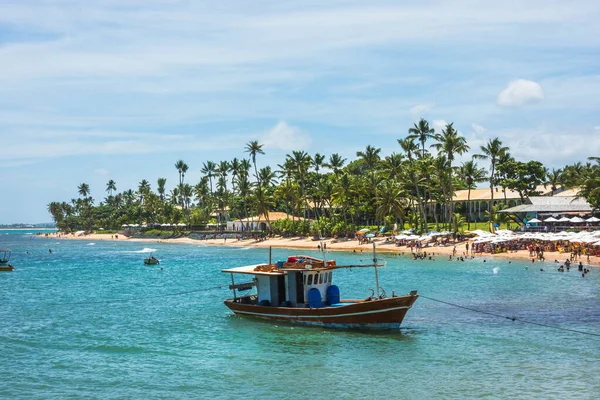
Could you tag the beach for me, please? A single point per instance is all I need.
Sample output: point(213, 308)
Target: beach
point(436, 252)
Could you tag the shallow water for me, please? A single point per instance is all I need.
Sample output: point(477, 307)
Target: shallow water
point(63, 336)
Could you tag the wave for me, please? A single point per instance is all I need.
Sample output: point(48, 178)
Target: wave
point(495, 270)
point(244, 248)
point(145, 250)
point(91, 244)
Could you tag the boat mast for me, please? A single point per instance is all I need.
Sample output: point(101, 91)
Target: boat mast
point(376, 273)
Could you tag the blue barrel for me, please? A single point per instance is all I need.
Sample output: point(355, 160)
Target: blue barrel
point(279, 264)
point(333, 294)
point(314, 298)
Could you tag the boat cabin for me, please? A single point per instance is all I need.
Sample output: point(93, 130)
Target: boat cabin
point(301, 281)
point(4, 256)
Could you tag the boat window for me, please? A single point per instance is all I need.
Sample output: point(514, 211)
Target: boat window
point(326, 275)
point(316, 278)
point(310, 280)
point(330, 277)
point(320, 278)
point(304, 279)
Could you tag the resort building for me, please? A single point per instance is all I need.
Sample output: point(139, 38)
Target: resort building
point(259, 222)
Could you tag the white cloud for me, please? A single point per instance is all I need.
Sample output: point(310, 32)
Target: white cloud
point(101, 172)
point(478, 129)
point(439, 125)
point(420, 110)
point(520, 92)
point(286, 137)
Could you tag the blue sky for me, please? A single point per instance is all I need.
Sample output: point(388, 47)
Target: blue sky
point(92, 91)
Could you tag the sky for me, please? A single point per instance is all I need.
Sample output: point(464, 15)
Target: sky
point(122, 89)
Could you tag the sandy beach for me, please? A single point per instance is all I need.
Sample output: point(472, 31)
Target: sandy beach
point(437, 252)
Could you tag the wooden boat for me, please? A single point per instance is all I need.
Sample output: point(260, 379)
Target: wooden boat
point(5, 258)
point(151, 261)
point(6, 267)
point(301, 291)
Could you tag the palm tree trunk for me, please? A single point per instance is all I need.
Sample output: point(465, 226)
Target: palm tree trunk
point(469, 209)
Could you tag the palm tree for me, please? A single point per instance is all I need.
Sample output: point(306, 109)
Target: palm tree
point(336, 162)
point(209, 169)
point(253, 148)
point(409, 147)
point(317, 162)
point(493, 151)
point(110, 187)
point(451, 143)
point(421, 132)
point(161, 188)
point(83, 189)
point(553, 179)
point(472, 175)
point(182, 168)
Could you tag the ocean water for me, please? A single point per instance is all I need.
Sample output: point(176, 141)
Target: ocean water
point(89, 320)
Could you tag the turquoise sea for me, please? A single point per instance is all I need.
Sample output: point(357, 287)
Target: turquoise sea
point(90, 321)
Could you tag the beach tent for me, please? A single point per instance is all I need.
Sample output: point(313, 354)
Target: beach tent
point(577, 220)
point(592, 219)
point(564, 219)
point(551, 219)
point(533, 221)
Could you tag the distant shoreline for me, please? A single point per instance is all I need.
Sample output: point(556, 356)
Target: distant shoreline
point(28, 229)
point(437, 252)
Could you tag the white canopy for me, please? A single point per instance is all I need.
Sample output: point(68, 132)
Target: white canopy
point(564, 219)
point(533, 221)
point(551, 219)
point(577, 220)
point(593, 219)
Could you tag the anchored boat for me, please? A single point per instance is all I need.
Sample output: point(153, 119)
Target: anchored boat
point(151, 261)
point(4, 260)
point(301, 291)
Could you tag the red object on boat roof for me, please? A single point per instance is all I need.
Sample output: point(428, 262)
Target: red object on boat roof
point(292, 259)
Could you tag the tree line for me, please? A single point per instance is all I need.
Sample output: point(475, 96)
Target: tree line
point(336, 194)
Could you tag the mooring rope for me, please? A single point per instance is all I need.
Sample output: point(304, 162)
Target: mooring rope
point(510, 318)
point(137, 298)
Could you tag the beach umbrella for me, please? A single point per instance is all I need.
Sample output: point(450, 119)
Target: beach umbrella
point(564, 219)
point(371, 235)
point(551, 219)
point(577, 220)
point(533, 221)
point(592, 219)
point(364, 230)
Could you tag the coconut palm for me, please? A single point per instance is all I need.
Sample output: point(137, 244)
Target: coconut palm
point(450, 143)
point(209, 169)
point(110, 187)
point(421, 132)
point(161, 188)
point(336, 163)
point(409, 147)
point(492, 152)
point(471, 174)
point(83, 189)
point(182, 168)
point(254, 148)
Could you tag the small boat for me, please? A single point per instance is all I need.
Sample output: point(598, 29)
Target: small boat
point(151, 261)
point(4, 260)
point(301, 291)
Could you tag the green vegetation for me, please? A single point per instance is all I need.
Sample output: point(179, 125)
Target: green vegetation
point(411, 188)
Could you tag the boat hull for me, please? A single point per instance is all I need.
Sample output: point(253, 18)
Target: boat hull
point(373, 314)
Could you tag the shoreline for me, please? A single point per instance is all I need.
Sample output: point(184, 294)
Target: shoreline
point(340, 245)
